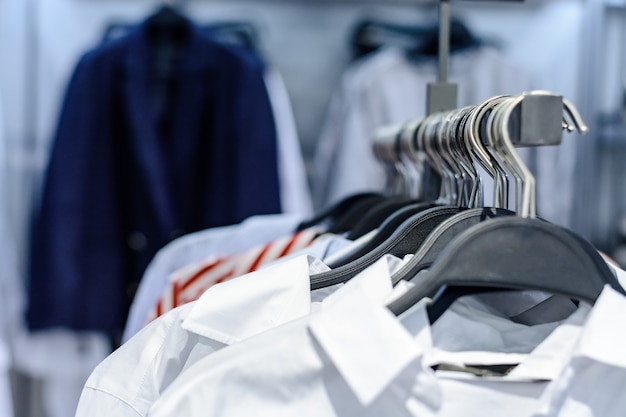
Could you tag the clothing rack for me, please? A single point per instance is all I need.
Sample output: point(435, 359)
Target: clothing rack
point(536, 118)
point(442, 95)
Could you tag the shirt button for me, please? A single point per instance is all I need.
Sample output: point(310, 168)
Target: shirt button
point(137, 241)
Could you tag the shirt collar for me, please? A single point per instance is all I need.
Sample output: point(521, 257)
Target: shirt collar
point(366, 343)
point(253, 303)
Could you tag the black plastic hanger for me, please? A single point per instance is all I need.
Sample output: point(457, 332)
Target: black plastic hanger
point(377, 215)
point(338, 210)
point(351, 217)
point(442, 235)
point(511, 253)
point(402, 239)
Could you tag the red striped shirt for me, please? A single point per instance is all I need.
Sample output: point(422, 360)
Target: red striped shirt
point(190, 282)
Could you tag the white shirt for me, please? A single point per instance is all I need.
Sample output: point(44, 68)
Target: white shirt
point(293, 369)
point(135, 375)
point(353, 358)
point(193, 247)
point(592, 384)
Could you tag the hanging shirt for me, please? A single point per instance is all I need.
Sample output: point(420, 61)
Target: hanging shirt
point(192, 248)
point(190, 282)
point(353, 357)
point(135, 375)
point(592, 383)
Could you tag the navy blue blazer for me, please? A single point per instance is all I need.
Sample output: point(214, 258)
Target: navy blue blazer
point(119, 186)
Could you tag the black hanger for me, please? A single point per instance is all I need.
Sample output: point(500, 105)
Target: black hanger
point(511, 253)
point(400, 239)
point(442, 235)
point(337, 211)
point(350, 218)
point(377, 215)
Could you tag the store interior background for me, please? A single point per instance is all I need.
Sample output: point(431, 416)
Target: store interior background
point(573, 47)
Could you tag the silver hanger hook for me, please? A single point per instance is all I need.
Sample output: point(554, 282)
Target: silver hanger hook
point(466, 160)
point(442, 141)
point(525, 202)
point(448, 183)
point(458, 152)
point(575, 118)
point(484, 156)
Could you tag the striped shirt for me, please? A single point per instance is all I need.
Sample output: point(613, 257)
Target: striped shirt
point(190, 282)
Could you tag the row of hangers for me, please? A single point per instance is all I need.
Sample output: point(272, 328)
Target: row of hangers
point(460, 247)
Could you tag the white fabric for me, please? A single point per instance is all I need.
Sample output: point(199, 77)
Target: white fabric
point(134, 376)
point(353, 358)
point(191, 248)
point(295, 196)
point(291, 370)
point(592, 383)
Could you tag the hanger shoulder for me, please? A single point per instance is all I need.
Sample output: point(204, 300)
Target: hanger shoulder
point(333, 212)
point(406, 238)
point(376, 216)
point(512, 253)
point(447, 231)
point(386, 230)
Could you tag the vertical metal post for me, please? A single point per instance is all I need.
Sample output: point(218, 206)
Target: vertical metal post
point(444, 40)
point(441, 96)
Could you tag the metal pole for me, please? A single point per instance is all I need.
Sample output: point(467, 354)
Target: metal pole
point(444, 40)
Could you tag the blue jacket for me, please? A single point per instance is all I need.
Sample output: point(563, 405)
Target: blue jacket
point(121, 184)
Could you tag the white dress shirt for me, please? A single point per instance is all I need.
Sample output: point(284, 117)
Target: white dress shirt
point(314, 366)
point(592, 384)
point(134, 376)
point(191, 248)
point(354, 358)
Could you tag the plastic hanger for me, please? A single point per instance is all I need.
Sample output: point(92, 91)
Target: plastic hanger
point(385, 231)
point(336, 211)
point(400, 235)
point(375, 217)
point(398, 226)
point(513, 252)
point(455, 225)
